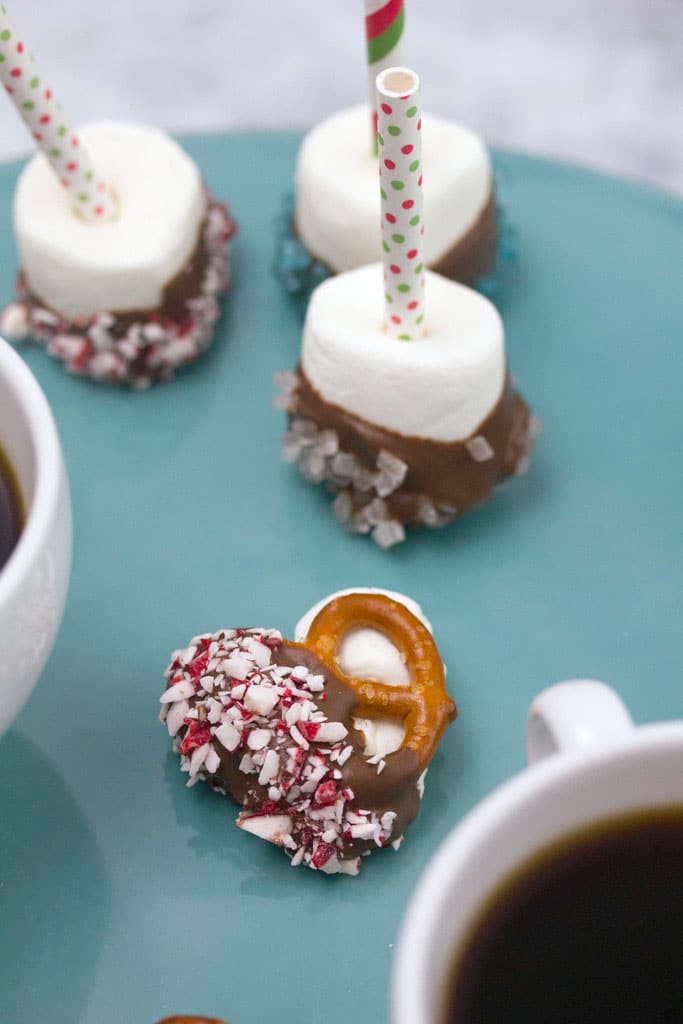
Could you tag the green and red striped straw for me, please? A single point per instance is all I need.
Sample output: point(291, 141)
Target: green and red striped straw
point(400, 174)
point(384, 33)
point(90, 196)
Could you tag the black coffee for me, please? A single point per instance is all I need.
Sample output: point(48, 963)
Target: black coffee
point(589, 931)
point(11, 510)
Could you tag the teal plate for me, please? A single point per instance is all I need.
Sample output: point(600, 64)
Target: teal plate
point(125, 896)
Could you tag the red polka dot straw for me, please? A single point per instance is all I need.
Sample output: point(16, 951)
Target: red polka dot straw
point(400, 165)
point(384, 34)
point(44, 118)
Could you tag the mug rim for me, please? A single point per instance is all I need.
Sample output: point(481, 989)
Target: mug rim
point(425, 910)
point(42, 431)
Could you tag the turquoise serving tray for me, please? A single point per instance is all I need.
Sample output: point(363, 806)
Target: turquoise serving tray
point(125, 896)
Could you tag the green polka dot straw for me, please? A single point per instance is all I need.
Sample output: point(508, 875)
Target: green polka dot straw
point(400, 168)
point(89, 194)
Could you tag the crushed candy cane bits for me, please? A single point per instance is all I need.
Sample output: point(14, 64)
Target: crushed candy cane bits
point(229, 705)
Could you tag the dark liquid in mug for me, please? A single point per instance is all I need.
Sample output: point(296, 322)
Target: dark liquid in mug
point(589, 931)
point(11, 509)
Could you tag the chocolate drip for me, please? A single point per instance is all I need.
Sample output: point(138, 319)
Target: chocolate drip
point(394, 789)
point(444, 472)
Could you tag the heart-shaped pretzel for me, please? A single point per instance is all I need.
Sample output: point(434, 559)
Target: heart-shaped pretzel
point(424, 705)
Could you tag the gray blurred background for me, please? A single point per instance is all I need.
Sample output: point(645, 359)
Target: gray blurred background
point(594, 81)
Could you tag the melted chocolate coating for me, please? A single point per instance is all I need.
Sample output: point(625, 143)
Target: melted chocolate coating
point(185, 285)
point(470, 257)
point(394, 789)
point(443, 471)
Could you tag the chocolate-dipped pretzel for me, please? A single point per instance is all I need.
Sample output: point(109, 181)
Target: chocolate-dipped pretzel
point(271, 724)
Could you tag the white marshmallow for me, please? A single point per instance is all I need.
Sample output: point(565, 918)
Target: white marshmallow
point(80, 268)
point(337, 189)
point(368, 654)
point(440, 387)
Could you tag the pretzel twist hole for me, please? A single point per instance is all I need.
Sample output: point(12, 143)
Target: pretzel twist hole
point(424, 705)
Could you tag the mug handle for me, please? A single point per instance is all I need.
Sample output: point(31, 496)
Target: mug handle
point(573, 716)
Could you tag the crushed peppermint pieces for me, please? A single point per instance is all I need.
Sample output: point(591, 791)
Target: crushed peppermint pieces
point(138, 353)
point(225, 698)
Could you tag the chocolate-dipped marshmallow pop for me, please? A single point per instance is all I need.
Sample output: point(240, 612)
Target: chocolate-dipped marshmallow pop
point(333, 225)
point(123, 251)
point(401, 403)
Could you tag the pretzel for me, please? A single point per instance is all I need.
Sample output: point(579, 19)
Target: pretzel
point(191, 1020)
point(425, 705)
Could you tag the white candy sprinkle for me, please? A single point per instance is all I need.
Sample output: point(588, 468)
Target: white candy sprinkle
point(260, 699)
point(228, 736)
point(345, 755)
point(298, 857)
point(247, 766)
point(271, 764)
point(179, 691)
point(331, 732)
point(198, 758)
point(212, 761)
point(363, 831)
point(175, 716)
point(387, 821)
point(271, 827)
point(381, 765)
point(388, 533)
point(292, 715)
point(237, 668)
point(14, 322)
point(297, 737)
point(215, 711)
point(259, 652)
point(258, 739)
point(316, 684)
point(479, 448)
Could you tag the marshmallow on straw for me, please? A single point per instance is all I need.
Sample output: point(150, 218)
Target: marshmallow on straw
point(43, 116)
point(384, 34)
point(400, 175)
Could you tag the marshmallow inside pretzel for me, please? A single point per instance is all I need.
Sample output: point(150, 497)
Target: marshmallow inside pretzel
point(368, 654)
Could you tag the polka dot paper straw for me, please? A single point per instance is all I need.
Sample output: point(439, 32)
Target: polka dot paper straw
point(43, 116)
point(400, 176)
point(384, 33)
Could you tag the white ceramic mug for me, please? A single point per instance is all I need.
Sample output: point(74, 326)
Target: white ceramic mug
point(35, 578)
point(587, 762)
